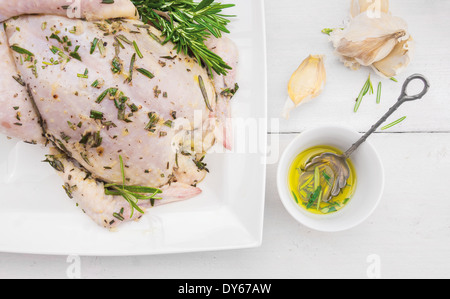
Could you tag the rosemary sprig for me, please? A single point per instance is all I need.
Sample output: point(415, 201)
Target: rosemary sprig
point(188, 24)
point(132, 194)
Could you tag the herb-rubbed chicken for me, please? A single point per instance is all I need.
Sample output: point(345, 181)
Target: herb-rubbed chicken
point(86, 9)
point(122, 109)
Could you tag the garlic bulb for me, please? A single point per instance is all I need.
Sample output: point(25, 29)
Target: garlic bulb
point(372, 7)
point(306, 83)
point(368, 40)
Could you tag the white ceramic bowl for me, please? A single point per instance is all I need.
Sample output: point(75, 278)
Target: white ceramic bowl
point(369, 173)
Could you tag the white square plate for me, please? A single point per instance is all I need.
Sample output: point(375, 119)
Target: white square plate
point(36, 216)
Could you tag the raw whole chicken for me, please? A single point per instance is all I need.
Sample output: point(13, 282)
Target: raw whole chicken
point(87, 9)
point(116, 105)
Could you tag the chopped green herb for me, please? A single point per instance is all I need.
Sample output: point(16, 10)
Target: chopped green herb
point(132, 194)
point(204, 92)
point(152, 35)
point(54, 162)
point(326, 177)
point(313, 197)
point(130, 76)
point(69, 189)
point(316, 178)
point(95, 83)
point(133, 107)
point(319, 200)
point(327, 31)
point(364, 91)
point(21, 50)
point(201, 165)
point(168, 123)
point(75, 55)
point(394, 123)
point(85, 158)
point(154, 119)
point(118, 216)
point(93, 45)
point(19, 80)
point(146, 73)
point(124, 39)
point(116, 65)
point(84, 75)
point(136, 48)
point(379, 93)
point(230, 92)
point(54, 36)
point(91, 139)
point(101, 47)
point(295, 196)
point(96, 114)
point(112, 91)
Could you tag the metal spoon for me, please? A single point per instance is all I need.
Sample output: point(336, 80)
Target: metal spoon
point(338, 163)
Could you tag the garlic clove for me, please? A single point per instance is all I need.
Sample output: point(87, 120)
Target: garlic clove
point(397, 60)
point(373, 7)
point(367, 40)
point(306, 83)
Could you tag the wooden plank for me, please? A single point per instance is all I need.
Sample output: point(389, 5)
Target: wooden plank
point(294, 32)
point(409, 231)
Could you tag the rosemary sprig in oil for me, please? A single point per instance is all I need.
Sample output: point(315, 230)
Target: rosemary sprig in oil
point(132, 194)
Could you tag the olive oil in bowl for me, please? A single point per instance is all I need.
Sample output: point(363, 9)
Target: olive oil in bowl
point(311, 190)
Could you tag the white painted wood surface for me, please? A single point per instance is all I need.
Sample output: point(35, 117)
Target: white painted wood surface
point(294, 32)
point(408, 235)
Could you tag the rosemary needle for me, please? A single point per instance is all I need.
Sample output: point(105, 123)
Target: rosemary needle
point(393, 123)
point(362, 93)
point(295, 196)
point(136, 48)
point(379, 93)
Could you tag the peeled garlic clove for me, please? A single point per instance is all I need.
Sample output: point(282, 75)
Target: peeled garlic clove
point(372, 7)
point(306, 83)
point(397, 60)
point(367, 40)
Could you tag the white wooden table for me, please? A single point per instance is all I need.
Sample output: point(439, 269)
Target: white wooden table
point(409, 234)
